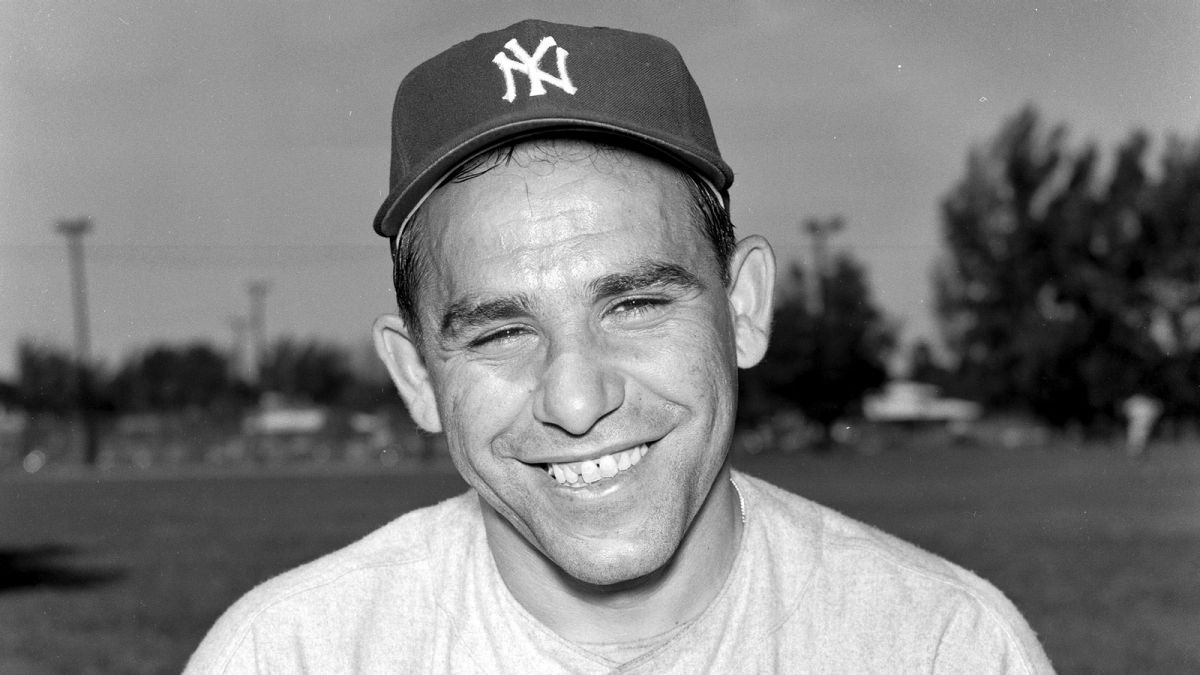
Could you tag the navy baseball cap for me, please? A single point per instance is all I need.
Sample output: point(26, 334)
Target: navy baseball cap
point(535, 78)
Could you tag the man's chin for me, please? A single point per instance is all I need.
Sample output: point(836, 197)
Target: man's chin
point(614, 572)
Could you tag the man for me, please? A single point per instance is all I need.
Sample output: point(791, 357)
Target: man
point(573, 312)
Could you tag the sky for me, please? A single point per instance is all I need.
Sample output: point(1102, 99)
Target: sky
point(218, 143)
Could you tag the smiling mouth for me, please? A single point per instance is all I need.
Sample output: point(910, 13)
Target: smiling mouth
point(589, 471)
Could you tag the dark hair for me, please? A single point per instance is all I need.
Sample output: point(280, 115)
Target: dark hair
point(410, 262)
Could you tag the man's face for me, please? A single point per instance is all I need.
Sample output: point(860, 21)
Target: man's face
point(580, 347)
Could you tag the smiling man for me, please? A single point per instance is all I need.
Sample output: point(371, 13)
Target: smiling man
point(573, 313)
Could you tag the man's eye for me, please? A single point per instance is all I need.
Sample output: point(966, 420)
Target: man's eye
point(637, 306)
point(498, 338)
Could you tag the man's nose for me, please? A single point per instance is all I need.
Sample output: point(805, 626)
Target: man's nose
point(577, 389)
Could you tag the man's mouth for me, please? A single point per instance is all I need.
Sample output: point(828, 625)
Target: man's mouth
point(588, 471)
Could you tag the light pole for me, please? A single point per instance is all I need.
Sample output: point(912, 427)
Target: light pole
point(258, 327)
point(820, 231)
point(239, 361)
point(74, 229)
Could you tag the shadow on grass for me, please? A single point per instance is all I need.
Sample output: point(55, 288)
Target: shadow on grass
point(49, 566)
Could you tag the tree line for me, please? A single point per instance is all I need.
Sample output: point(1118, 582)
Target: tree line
point(1071, 281)
point(195, 376)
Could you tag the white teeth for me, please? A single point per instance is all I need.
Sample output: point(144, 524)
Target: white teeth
point(607, 466)
point(623, 461)
point(591, 473)
point(588, 471)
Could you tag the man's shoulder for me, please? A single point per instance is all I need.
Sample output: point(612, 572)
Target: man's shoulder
point(396, 568)
point(838, 540)
point(406, 542)
point(884, 588)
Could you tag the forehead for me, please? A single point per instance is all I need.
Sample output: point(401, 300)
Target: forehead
point(550, 214)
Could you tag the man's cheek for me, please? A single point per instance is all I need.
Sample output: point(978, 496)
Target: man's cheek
point(676, 365)
point(480, 405)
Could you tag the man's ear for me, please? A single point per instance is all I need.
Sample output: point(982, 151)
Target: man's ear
point(751, 298)
point(398, 350)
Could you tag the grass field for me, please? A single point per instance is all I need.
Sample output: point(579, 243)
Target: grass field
point(124, 574)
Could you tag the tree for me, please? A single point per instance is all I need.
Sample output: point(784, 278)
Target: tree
point(45, 382)
point(821, 363)
point(307, 370)
point(924, 366)
point(50, 381)
point(1060, 293)
point(10, 395)
point(1170, 284)
point(169, 378)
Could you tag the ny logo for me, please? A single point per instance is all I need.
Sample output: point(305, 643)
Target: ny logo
point(529, 64)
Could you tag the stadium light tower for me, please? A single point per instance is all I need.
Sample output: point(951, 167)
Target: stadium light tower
point(820, 230)
point(257, 289)
point(74, 229)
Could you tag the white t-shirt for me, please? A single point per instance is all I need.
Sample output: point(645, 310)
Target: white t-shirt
point(810, 591)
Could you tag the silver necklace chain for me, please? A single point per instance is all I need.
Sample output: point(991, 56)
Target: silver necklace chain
point(741, 500)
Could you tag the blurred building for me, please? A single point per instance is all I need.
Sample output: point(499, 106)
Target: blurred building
point(904, 401)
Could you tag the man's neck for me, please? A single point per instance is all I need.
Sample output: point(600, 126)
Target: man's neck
point(640, 608)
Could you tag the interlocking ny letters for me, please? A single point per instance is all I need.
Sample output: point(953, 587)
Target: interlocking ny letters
point(530, 65)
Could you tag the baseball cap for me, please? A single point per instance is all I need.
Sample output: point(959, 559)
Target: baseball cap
point(535, 78)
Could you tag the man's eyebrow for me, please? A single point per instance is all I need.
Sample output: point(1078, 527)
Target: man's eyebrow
point(468, 313)
point(648, 274)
